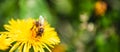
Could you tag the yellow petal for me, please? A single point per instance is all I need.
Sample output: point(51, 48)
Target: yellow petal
point(15, 46)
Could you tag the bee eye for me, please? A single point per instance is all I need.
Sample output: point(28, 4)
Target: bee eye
point(37, 23)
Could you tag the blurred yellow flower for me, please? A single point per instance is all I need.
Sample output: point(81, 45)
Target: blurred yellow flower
point(59, 48)
point(29, 33)
point(100, 7)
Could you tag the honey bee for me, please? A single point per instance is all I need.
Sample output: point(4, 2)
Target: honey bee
point(39, 26)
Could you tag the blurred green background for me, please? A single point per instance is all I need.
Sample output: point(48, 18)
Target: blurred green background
point(82, 25)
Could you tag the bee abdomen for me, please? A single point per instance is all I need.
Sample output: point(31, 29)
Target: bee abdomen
point(40, 31)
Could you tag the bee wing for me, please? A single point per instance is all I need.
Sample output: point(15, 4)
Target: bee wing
point(41, 19)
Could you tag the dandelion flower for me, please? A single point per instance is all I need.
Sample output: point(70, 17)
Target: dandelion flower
point(4, 42)
point(31, 33)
